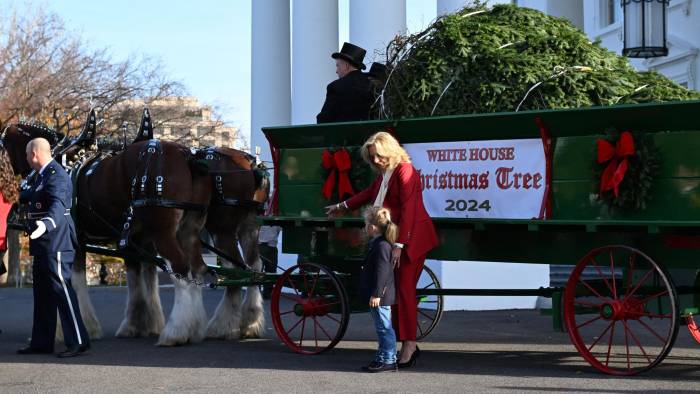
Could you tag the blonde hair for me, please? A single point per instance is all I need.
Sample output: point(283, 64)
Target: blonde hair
point(381, 217)
point(386, 146)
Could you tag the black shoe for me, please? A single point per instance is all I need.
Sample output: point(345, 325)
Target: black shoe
point(33, 350)
point(373, 364)
point(412, 361)
point(84, 348)
point(381, 367)
point(70, 352)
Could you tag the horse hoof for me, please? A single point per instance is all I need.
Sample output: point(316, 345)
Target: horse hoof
point(224, 334)
point(253, 331)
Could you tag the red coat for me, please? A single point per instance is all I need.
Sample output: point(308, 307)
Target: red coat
point(4, 211)
point(404, 199)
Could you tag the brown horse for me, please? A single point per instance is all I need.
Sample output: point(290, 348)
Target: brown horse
point(157, 189)
point(240, 189)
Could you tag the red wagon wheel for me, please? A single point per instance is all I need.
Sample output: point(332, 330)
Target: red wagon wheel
point(621, 310)
point(693, 328)
point(429, 306)
point(310, 309)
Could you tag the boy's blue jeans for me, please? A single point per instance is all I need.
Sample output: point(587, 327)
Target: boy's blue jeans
point(386, 337)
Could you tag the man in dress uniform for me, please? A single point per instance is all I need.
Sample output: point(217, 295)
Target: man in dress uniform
point(52, 243)
point(350, 96)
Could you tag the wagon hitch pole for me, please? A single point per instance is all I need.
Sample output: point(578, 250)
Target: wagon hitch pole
point(224, 256)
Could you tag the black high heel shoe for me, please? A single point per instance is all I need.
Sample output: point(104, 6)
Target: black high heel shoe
point(412, 361)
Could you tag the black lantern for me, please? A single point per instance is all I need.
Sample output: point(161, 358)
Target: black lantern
point(645, 28)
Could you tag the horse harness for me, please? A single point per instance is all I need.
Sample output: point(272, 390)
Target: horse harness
point(212, 154)
point(151, 155)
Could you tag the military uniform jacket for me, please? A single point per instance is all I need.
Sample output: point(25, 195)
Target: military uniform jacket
point(377, 276)
point(49, 196)
point(348, 98)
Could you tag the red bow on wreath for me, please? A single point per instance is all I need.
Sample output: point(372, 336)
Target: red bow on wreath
point(340, 161)
point(617, 155)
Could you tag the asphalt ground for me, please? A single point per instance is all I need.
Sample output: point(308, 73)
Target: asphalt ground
point(493, 351)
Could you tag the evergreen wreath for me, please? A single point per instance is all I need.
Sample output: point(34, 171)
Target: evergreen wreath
point(360, 172)
point(634, 190)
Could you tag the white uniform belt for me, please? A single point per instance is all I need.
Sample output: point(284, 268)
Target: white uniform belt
point(40, 215)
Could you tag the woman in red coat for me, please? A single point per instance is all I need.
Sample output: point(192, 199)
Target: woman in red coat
point(9, 192)
point(398, 188)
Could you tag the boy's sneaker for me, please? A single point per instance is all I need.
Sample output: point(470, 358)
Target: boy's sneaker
point(373, 364)
point(381, 367)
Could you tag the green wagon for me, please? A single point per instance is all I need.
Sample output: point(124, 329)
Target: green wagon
point(634, 278)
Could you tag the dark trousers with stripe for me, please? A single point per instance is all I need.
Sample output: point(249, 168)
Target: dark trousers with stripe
point(52, 292)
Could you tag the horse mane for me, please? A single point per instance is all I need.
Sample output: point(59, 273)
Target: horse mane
point(40, 130)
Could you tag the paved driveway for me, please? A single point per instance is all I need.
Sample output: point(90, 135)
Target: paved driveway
point(497, 351)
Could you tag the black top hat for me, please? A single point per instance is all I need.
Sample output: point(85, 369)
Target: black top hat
point(352, 54)
point(378, 71)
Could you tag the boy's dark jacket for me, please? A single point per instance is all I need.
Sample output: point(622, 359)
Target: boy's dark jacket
point(377, 276)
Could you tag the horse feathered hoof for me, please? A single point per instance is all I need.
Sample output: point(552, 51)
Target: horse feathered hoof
point(226, 321)
point(188, 320)
point(224, 333)
point(253, 322)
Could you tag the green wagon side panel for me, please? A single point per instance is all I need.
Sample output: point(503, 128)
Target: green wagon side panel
point(672, 199)
point(678, 153)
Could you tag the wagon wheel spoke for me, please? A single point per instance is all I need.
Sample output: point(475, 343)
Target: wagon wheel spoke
point(589, 322)
point(651, 297)
point(600, 336)
point(301, 338)
point(612, 274)
point(641, 282)
point(651, 330)
point(313, 286)
point(589, 304)
point(324, 330)
point(425, 314)
point(286, 313)
point(295, 325)
point(634, 338)
point(315, 331)
point(600, 273)
point(630, 274)
point(592, 289)
point(612, 333)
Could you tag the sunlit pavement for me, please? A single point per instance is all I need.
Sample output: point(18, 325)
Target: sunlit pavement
point(491, 351)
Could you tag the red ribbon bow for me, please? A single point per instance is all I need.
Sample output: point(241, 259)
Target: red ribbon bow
point(337, 161)
point(617, 155)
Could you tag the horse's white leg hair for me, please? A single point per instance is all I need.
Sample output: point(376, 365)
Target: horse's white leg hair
point(87, 311)
point(136, 313)
point(253, 317)
point(187, 321)
point(155, 310)
point(226, 321)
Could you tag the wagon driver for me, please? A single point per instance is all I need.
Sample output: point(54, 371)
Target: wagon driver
point(398, 188)
point(349, 97)
point(52, 243)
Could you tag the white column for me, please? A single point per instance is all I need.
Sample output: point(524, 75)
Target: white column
point(270, 70)
point(569, 9)
point(373, 24)
point(314, 39)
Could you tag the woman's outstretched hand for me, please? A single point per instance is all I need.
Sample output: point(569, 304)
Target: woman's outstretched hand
point(335, 209)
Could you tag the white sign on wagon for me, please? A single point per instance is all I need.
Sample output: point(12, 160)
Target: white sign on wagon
point(503, 179)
